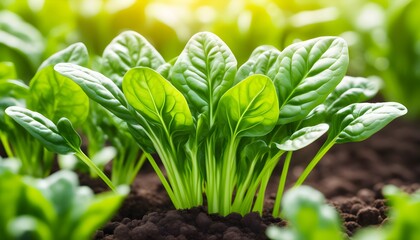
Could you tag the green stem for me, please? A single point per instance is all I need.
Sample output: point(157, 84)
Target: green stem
point(319, 155)
point(238, 202)
point(282, 183)
point(6, 146)
point(265, 177)
point(95, 168)
point(165, 183)
point(212, 178)
point(228, 174)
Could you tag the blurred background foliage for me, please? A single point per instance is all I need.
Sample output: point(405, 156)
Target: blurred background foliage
point(383, 35)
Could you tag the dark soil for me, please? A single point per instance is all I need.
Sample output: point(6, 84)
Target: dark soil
point(351, 176)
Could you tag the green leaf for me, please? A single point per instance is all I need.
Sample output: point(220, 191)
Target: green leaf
point(13, 88)
point(41, 128)
point(359, 121)
point(306, 73)
point(67, 131)
point(309, 215)
point(250, 108)
point(126, 51)
point(21, 36)
point(7, 71)
point(203, 72)
point(56, 96)
point(155, 98)
point(351, 90)
point(59, 188)
point(99, 211)
point(303, 137)
point(28, 227)
point(99, 88)
point(76, 53)
point(261, 60)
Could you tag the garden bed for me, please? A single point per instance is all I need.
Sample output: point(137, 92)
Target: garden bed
point(351, 176)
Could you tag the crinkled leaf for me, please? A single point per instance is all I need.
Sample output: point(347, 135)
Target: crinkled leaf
point(56, 96)
point(76, 53)
point(21, 36)
point(67, 131)
point(351, 90)
point(99, 88)
point(250, 108)
point(155, 98)
point(203, 72)
point(164, 70)
point(126, 51)
point(41, 128)
point(359, 121)
point(305, 73)
point(303, 137)
point(261, 60)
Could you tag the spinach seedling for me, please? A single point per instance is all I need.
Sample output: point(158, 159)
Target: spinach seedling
point(221, 130)
point(309, 217)
point(53, 208)
point(402, 222)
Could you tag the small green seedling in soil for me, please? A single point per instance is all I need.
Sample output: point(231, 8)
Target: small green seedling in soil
point(309, 217)
point(403, 218)
point(221, 129)
point(53, 208)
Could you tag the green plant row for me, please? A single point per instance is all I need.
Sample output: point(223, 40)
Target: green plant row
point(52, 208)
point(219, 128)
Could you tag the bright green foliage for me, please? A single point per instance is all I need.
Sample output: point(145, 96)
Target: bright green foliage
point(126, 51)
point(402, 76)
point(52, 208)
point(50, 94)
point(403, 218)
point(20, 42)
point(309, 217)
point(60, 138)
point(221, 130)
point(156, 99)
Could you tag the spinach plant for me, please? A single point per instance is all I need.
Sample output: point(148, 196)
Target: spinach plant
point(402, 223)
point(221, 130)
point(50, 102)
point(48, 93)
point(52, 208)
point(309, 217)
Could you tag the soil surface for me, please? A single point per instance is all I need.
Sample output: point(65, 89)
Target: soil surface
point(351, 176)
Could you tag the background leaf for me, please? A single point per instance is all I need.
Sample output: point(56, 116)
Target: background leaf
point(76, 53)
point(261, 60)
point(56, 96)
point(351, 90)
point(99, 88)
point(126, 51)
